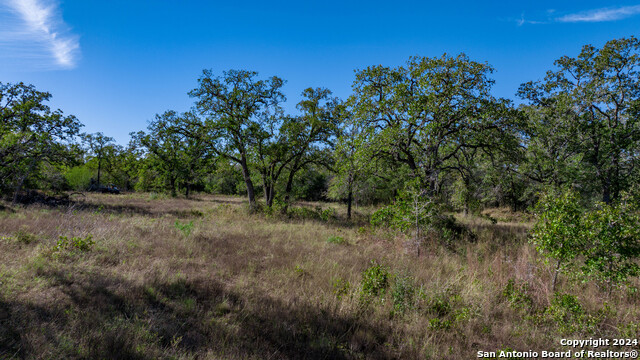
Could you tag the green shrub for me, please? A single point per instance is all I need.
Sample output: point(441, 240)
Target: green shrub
point(517, 295)
point(558, 232)
point(403, 294)
point(341, 287)
point(327, 214)
point(449, 229)
point(79, 177)
point(25, 237)
point(440, 324)
point(303, 213)
point(567, 312)
point(375, 281)
point(75, 243)
point(612, 246)
point(606, 238)
point(334, 239)
point(184, 228)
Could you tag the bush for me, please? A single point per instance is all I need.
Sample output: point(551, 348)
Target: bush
point(607, 238)
point(403, 294)
point(375, 281)
point(184, 228)
point(341, 287)
point(336, 240)
point(25, 237)
point(517, 295)
point(79, 177)
point(612, 236)
point(558, 232)
point(567, 312)
point(75, 243)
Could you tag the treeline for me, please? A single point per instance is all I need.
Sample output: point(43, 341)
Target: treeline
point(432, 123)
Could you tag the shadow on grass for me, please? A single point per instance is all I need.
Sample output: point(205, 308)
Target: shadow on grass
point(98, 316)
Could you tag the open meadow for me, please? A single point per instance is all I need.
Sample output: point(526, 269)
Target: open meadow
point(146, 276)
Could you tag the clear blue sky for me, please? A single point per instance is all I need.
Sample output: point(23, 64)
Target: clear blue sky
point(115, 64)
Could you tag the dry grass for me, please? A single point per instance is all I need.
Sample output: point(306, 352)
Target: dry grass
point(243, 286)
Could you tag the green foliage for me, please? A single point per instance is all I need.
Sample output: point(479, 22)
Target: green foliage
point(440, 324)
point(79, 177)
point(613, 244)
point(25, 237)
point(606, 238)
point(558, 232)
point(584, 119)
point(327, 214)
point(375, 281)
point(449, 229)
point(517, 295)
point(184, 228)
point(75, 243)
point(306, 213)
point(341, 287)
point(567, 312)
point(430, 114)
point(33, 138)
point(403, 294)
point(412, 211)
point(334, 239)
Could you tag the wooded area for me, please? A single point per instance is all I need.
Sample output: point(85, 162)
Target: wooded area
point(431, 122)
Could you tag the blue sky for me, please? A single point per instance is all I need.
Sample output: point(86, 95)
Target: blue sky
point(115, 64)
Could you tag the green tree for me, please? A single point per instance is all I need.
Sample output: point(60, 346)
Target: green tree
point(425, 114)
point(98, 145)
point(180, 159)
point(232, 105)
point(558, 232)
point(31, 134)
point(585, 113)
point(612, 243)
point(311, 134)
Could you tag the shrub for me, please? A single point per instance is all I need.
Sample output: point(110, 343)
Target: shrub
point(450, 230)
point(612, 245)
point(567, 312)
point(557, 233)
point(375, 281)
point(412, 214)
point(334, 239)
point(25, 237)
point(327, 214)
point(184, 228)
point(75, 243)
point(303, 213)
point(79, 177)
point(517, 295)
point(403, 294)
point(341, 287)
point(607, 238)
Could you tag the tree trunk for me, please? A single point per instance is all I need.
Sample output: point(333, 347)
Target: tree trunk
point(99, 168)
point(555, 277)
point(349, 200)
point(172, 182)
point(606, 191)
point(289, 188)
point(21, 183)
point(247, 180)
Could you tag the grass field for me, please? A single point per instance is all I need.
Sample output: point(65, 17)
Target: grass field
point(143, 276)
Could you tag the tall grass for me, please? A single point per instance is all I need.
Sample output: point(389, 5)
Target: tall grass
point(253, 286)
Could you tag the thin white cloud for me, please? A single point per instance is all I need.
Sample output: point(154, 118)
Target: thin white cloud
point(523, 21)
point(41, 27)
point(595, 15)
point(599, 15)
